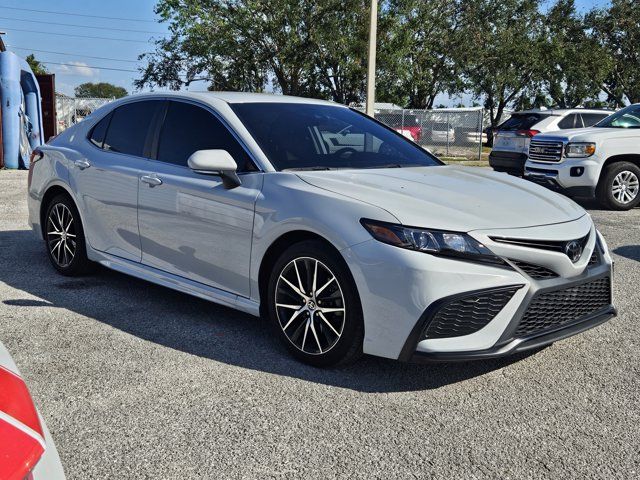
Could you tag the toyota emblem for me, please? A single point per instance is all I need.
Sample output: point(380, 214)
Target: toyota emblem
point(573, 250)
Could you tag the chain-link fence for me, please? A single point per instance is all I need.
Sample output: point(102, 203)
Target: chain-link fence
point(70, 111)
point(445, 132)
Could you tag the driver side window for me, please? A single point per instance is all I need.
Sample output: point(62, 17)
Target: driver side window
point(188, 128)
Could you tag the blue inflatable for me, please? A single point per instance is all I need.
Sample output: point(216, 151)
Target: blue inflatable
point(21, 110)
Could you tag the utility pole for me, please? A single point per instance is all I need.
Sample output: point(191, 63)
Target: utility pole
point(371, 68)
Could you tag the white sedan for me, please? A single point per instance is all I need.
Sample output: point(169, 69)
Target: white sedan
point(347, 236)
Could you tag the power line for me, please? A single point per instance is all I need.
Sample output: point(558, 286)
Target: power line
point(82, 26)
point(77, 14)
point(74, 35)
point(89, 66)
point(72, 54)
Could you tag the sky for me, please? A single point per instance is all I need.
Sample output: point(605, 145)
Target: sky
point(125, 27)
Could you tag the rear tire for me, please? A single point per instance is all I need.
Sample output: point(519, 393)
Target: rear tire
point(619, 186)
point(320, 322)
point(64, 237)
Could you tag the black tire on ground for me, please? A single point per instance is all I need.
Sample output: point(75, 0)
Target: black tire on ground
point(604, 191)
point(62, 216)
point(299, 262)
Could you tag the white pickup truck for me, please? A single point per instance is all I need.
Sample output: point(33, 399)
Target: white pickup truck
point(601, 162)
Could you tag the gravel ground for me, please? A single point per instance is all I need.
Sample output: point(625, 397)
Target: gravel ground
point(137, 381)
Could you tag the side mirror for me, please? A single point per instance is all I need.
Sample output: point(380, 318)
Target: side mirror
point(216, 162)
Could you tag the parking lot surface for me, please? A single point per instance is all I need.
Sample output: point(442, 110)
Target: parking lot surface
point(138, 381)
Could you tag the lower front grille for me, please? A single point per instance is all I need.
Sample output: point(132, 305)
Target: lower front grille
point(554, 309)
point(468, 314)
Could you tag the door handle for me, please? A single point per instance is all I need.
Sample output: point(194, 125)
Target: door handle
point(151, 180)
point(82, 164)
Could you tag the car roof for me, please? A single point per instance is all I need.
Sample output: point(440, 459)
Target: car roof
point(563, 111)
point(237, 97)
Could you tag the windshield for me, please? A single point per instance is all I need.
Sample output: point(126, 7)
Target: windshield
point(322, 137)
point(628, 117)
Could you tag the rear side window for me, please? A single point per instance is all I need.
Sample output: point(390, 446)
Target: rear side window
point(522, 121)
point(129, 126)
point(570, 121)
point(591, 119)
point(188, 128)
point(98, 133)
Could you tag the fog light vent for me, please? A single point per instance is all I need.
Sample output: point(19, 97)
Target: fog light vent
point(467, 314)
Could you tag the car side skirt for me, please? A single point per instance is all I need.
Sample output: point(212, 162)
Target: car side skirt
point(176, 282)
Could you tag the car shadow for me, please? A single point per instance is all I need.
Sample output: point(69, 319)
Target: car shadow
point(201, 328)
point(632, 252)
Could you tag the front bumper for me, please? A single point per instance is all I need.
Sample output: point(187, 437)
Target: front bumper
point(520, 344)
point(562, 176)
point(507, 347)
point(400, 290)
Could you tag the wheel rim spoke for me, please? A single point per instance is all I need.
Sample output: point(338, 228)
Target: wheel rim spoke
point(315, 335)
point(306, 325)
point(293, 317)
point(324, 319)
point(293, 287)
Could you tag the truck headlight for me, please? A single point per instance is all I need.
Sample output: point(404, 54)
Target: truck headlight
point(579, 150)
point(436, 242)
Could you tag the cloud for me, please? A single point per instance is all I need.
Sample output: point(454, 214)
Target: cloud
point(80, 69)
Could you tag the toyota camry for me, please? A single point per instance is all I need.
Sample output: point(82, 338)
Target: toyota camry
point(347, 236)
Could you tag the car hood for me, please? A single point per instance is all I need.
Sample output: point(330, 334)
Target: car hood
point(587, 134)
point(450, 197)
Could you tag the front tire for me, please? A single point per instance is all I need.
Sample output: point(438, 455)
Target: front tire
point(619, 186)
point(64, 237)
point(314, 306)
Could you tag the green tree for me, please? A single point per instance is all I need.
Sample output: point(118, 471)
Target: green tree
point(500, 51)
point(36, 66)
point(300, 47)
point(100, 90)
point(617, 30)
point(417, 48)
point(575, 65)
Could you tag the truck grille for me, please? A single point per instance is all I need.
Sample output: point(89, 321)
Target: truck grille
point(545, 151)
point(554, 309)
point(466, 315)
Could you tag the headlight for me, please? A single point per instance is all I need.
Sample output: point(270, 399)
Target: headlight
point(580, 150)
point(436, 242)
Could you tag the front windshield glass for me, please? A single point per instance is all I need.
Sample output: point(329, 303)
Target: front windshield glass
point(628, 117)
point(322, 137)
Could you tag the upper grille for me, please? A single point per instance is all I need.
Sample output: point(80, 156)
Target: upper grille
point(469, 314)
point(554, 309)
point(545, 151)
point(536, 272)
point(554, 246)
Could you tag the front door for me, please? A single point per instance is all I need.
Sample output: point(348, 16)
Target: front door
point(190, 225)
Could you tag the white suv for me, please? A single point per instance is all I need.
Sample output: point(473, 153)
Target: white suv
point(601, 162)
point(511, 140)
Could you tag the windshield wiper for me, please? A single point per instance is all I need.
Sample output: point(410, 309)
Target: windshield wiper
point(302, 169)
point(389, 165)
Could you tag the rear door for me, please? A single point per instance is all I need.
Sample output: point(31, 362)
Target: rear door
point(107, 179)
point(190, 224)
